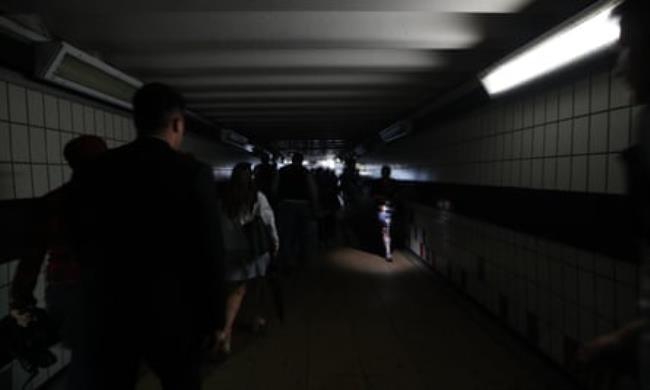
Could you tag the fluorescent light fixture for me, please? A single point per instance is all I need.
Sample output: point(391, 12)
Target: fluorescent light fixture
point(65, 65)
point(235, 139)
point(395, 131)
point(589, 32)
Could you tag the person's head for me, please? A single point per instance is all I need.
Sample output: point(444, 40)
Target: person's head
point(83, 149)
point(634, 42)
point(264, 158)
point(385, 172)
point(241, 193)
point(158, 111)
point(297, 158)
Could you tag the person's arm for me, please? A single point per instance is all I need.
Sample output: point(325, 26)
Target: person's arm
point(266, 213)
point(605, 344)
point(25, 279)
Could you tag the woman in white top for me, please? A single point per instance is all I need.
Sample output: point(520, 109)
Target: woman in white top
point(242, 203)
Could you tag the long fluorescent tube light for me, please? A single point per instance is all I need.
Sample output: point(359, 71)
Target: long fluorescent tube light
point(586, 34)
point(65, 65)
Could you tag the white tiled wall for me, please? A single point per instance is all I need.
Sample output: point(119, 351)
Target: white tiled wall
point(566, 294)
point(566, 137)
point(35, 125)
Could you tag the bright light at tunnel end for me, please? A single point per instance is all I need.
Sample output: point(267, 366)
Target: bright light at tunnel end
point(597, 29)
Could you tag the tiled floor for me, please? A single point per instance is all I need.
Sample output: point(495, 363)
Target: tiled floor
point(357, 322)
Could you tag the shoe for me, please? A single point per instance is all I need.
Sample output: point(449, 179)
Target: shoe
point(389, 259)
point(223, 344)
point(259, 325)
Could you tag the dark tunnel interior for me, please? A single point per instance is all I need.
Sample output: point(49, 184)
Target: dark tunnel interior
point(506, 248)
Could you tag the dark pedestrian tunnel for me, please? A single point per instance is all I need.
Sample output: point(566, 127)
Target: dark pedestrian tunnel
point(516, 231)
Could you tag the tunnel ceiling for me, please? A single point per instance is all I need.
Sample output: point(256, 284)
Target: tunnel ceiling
point(305, 69)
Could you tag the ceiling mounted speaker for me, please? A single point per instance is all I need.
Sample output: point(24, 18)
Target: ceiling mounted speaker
point(69, 67)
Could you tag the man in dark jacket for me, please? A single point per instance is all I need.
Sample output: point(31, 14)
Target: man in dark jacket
point(148, 241)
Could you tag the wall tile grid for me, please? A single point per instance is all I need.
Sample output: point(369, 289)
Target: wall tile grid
point(566, 138)
point(35, 125)
point(553, 295)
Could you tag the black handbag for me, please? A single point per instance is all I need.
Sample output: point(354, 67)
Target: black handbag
point(258, 236)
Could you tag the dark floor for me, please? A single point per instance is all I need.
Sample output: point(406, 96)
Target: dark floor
point(357, 322)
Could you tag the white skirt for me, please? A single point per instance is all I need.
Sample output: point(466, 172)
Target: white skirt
point(255, 269)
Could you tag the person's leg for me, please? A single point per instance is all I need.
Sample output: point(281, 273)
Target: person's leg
point(233, 304)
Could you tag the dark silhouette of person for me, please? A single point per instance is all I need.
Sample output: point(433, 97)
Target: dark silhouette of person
point(62, 273)
point(627, 349)
point(264, 176)
point(297, 208)
point(146, 224)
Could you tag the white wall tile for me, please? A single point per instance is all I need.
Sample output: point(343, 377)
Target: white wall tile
point(604, 266)
point(587, 322)
point(581, 97)
point(65, 115)
point(550, 139)
point(4, 104)
point(564, 173)
point(23, 181)
point(51, 112)
point(566, 102)
point(108, 125)
point(605, 297)
point(40, 180)
point(540, 110)
point(99, 123)
point(20, 143)
point(620, 93)
point(55, 175)
point(516, 173)
point(507, 145)
point(586, 289)
point(552, 106)
point(571, 323)
point(579, 173)
point(565, 135)
point(6, 182)
point(78, 118)
point(598, 173)
point(67, 173)
point(37, 145)
point(626, 273)
point(526, 173)
point(527, 143)
point(17, 104)
point(54, 150)
point(600, 92)
point(89, 120)
point(538, 174)
point(598, 133)
point(538, 141)
point(517, 144)
point(616, 175)
point(528, 110)
point(5, 142)
point(550, 173)
point(35, 108)
point(117, 127)
point(619, 129)
point(580, 135)
point(626, 304)
point(518, 115)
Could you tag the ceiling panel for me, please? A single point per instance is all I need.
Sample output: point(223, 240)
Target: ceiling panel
point(307, 69)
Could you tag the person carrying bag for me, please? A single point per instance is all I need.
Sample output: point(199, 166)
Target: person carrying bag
point(250, 241)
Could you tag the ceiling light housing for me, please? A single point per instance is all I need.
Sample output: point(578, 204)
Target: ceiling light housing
point(590, 31)
point(63, 64)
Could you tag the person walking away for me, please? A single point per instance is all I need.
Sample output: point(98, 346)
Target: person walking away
point(243, 205)
point(62, 272)
point(145, 222)
point(297, 208)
